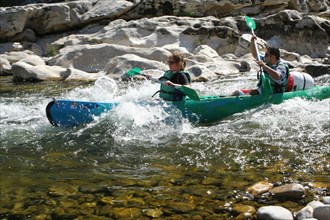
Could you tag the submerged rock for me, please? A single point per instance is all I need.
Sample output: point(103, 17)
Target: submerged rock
point(154, 213)
point(182, 207)
point(289, 191)
point(259, 188)
point(127, 212)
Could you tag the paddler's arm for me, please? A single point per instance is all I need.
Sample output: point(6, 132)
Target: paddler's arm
point(272, 73)
point(253, 46)
point(182, 80)
point(169, 83)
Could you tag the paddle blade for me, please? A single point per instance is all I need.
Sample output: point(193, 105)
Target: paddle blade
point(266, 88)
point(134, 71)
point(191, 93)
point(250, 22)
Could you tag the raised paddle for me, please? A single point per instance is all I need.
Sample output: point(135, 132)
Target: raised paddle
point(252, 25)
point(265, 84)
point(191, 93)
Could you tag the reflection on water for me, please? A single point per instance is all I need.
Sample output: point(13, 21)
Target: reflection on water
point(144, 146)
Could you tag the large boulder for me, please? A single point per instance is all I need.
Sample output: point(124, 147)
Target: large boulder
point(5, 67)
point(165, 32)
point(94, 58)
point(23, 71)
point(52, 18)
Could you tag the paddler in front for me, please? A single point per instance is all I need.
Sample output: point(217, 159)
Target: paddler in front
point(272, 65)
point(174, 78)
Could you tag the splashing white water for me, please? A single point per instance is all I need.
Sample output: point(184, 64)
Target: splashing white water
point(104, 89)
point(296, 128)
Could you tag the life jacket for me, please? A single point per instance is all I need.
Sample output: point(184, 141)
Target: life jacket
point(170, 93)
point(290, 84)
point(276, 87)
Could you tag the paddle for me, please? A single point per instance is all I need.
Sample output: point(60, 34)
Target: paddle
point(265, 84)
point(252, 25)
point(191, 93)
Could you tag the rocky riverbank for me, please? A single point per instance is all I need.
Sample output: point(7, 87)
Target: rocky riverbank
point(83, 40)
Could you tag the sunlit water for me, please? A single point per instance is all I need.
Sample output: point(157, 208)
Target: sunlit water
point(138, 140)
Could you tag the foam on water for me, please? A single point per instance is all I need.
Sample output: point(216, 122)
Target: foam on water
point(104, 89)
point(139, 118)
point(21, 119)
point(297, 130)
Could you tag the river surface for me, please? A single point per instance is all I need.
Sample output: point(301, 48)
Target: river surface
point(140, 158)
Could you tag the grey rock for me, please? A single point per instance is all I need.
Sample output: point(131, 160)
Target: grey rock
point(326, 200)
point(315, 204)
point(317, 70)
point(304, 213)
point(322, 212)
point(295, 191)
point(274, 213)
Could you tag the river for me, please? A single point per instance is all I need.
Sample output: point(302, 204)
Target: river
point(140, 158)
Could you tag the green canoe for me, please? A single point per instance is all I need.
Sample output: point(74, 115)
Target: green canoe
point(69, 113)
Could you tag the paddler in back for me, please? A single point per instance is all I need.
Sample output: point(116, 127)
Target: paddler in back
point(272, 65)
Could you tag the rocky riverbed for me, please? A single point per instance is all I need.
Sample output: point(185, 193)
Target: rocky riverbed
point(81, 41)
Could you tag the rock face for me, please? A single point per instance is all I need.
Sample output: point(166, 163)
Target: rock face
point(98, 36)
point(282, 27)
point(294, 26)
point(24, 70)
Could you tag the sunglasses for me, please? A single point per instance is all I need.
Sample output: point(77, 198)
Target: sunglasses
point(170, 62)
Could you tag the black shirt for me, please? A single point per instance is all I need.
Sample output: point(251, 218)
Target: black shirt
point(180, 78)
